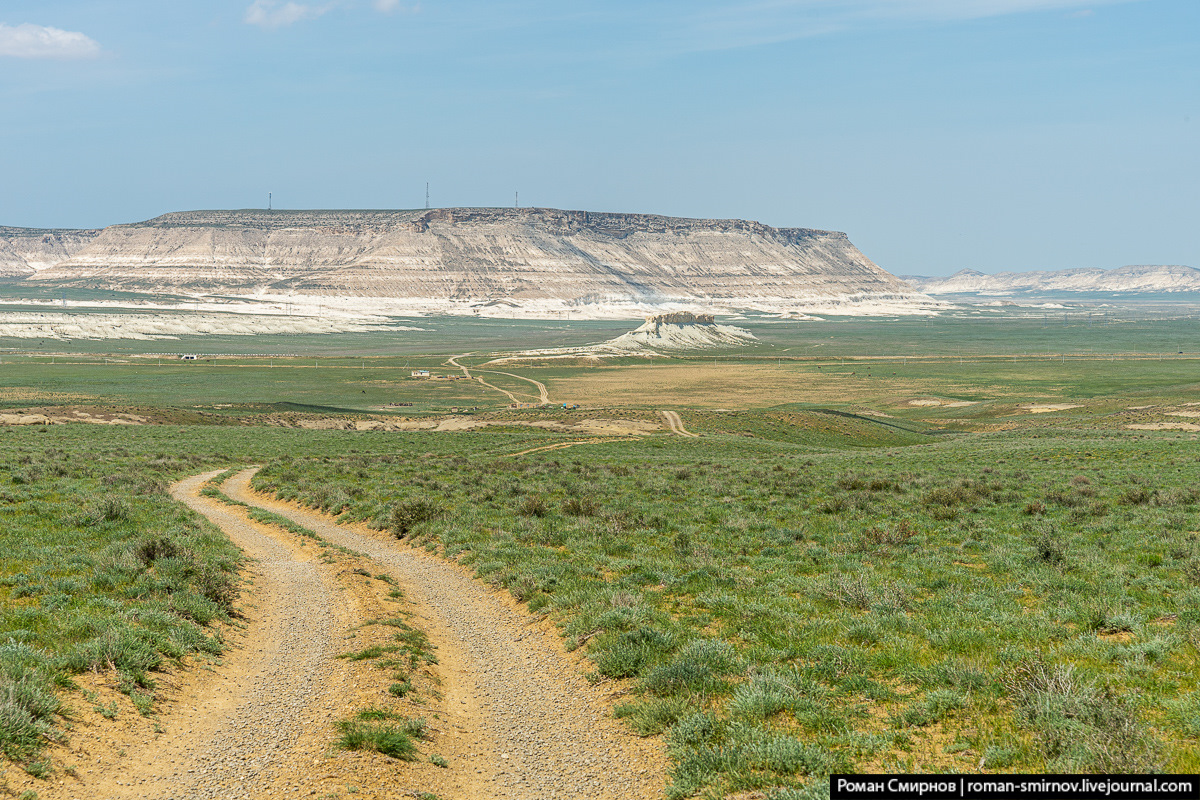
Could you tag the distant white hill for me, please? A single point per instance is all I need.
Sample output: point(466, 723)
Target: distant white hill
point(680, 331)
point(1123, 279)
point(661, 334)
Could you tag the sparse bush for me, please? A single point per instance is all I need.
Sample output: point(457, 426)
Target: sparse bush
point(855, 591)
point(1136, 496)
point(1078, 725)
point(579, 507)
point(1048, 547)
point(152, 548)
point(407, 515)
point(217, 585)
point(533, 506)
point(876, 536)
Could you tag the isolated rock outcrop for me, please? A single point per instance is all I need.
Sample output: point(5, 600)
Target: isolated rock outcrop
point(680, 331)
point(473, 258)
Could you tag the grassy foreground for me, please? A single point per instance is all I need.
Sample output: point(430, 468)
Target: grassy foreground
point(101, 571)
point(1009, 601)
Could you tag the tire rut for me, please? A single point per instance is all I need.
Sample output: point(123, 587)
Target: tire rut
point(531, 727)
point(240, 736)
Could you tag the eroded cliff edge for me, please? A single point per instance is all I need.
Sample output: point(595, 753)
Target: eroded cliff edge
point(464, 259)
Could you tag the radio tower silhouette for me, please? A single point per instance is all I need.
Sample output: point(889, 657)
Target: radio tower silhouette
point(426, 194)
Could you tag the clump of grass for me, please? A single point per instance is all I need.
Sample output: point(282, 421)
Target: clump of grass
point(374, 651)
point(27, 706)
point(934, 707)
point(533, 505)
point(700, 666)
point(631, 651)
point(655, 716)
point(390, 740)
point(1078, 725)
point(374, 714)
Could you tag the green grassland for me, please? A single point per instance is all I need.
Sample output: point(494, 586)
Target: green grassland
point(829, 578)
point(788, 608)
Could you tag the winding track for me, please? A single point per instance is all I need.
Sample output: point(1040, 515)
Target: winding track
point(543, 395)
point(676, 424)
point(253, 723)
point(530, 727)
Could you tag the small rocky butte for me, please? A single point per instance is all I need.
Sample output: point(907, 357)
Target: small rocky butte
point(494, 261)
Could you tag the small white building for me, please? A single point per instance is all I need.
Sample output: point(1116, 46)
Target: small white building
point(420, 373)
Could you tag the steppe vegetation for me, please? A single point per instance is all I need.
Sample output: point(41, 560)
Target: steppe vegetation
point(101, 570)
point(1011, 601)
point(832, 578)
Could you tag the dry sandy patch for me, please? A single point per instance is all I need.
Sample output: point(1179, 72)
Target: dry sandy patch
point(1164, 426)
point(1042, 408)
point(932, 402)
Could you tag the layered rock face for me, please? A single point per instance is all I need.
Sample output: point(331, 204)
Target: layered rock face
point(24, 251)
point(1137, 278)
point(475, 256)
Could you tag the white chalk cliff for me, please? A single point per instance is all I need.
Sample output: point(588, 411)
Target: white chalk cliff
point(462, 260)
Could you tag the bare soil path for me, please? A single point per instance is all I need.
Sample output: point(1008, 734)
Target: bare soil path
point(507, 708)
point(675, 423)
point(453, 362)
point(543, 394)
point(243, 731)
point(528, 726)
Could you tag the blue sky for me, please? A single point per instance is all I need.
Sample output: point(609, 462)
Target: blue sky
point(940, 134)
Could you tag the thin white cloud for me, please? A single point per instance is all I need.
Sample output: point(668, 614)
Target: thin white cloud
point(39, 41)
point(723, 25)
point(274, 14)
point(390, 6)
point(966, 9)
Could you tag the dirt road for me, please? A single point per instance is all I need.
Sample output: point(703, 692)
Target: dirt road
point(453, 362)
point(532, 727)
point(543, 395)
point(510, 714)
point(245, 731)
point(541, 387)
point(676, 424)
